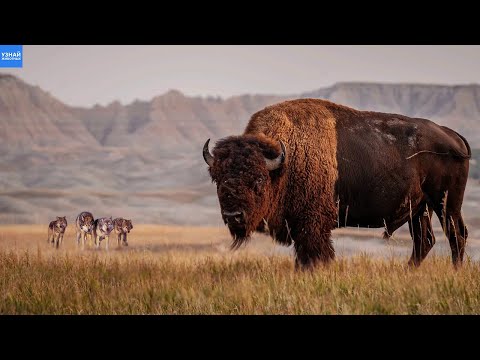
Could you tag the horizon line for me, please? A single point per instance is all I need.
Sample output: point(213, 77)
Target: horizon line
point(225, 98)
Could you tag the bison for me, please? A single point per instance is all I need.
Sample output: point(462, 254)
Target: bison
point(304, 167)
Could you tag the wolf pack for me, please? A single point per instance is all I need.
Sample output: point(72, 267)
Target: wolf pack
point(87, 226)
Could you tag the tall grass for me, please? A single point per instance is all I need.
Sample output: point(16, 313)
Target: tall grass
point(179, 283)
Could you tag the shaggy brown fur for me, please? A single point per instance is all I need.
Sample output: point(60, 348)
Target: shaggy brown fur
point(343, 167)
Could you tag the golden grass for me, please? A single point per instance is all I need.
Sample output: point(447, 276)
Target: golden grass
point(175, 270)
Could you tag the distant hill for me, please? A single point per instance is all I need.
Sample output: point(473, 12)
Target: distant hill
point(143, 160)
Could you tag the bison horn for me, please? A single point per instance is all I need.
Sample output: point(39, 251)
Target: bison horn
point(273, 164)
point(206, 154)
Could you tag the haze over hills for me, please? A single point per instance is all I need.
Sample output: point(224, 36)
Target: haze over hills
point(143, 160)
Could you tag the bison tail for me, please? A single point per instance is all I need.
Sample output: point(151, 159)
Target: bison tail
point(469, 151)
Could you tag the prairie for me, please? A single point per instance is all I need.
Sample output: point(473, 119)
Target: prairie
point(190, 270)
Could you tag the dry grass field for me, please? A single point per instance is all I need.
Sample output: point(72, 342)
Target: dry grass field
point(188, 270)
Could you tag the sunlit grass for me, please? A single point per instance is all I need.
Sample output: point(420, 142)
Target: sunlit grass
point(39, 280)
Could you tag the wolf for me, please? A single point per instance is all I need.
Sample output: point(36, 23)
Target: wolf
point(102, 228)
point(122, 227)
point(56, 230)
point(84, 226)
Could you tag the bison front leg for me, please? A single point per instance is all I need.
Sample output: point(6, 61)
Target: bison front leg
point(422, 235)
point(125, 242)
point(312, 246)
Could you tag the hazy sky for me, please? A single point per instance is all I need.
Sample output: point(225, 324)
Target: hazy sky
point(89, 74)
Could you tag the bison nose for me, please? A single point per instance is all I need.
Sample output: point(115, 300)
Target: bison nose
point(233, 217)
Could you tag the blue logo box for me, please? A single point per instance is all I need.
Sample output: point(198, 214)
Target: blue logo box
point(11, 56)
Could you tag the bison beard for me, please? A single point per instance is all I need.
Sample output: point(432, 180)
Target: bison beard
point(239, 238)
point(304, 167)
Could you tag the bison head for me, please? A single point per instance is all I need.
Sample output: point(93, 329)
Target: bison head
point(245, 168)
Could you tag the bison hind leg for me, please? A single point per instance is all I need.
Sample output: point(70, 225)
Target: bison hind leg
point(423, 238)
point(456, 231)
point(447, 206)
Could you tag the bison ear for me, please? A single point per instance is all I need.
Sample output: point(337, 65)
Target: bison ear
point(58, 217)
